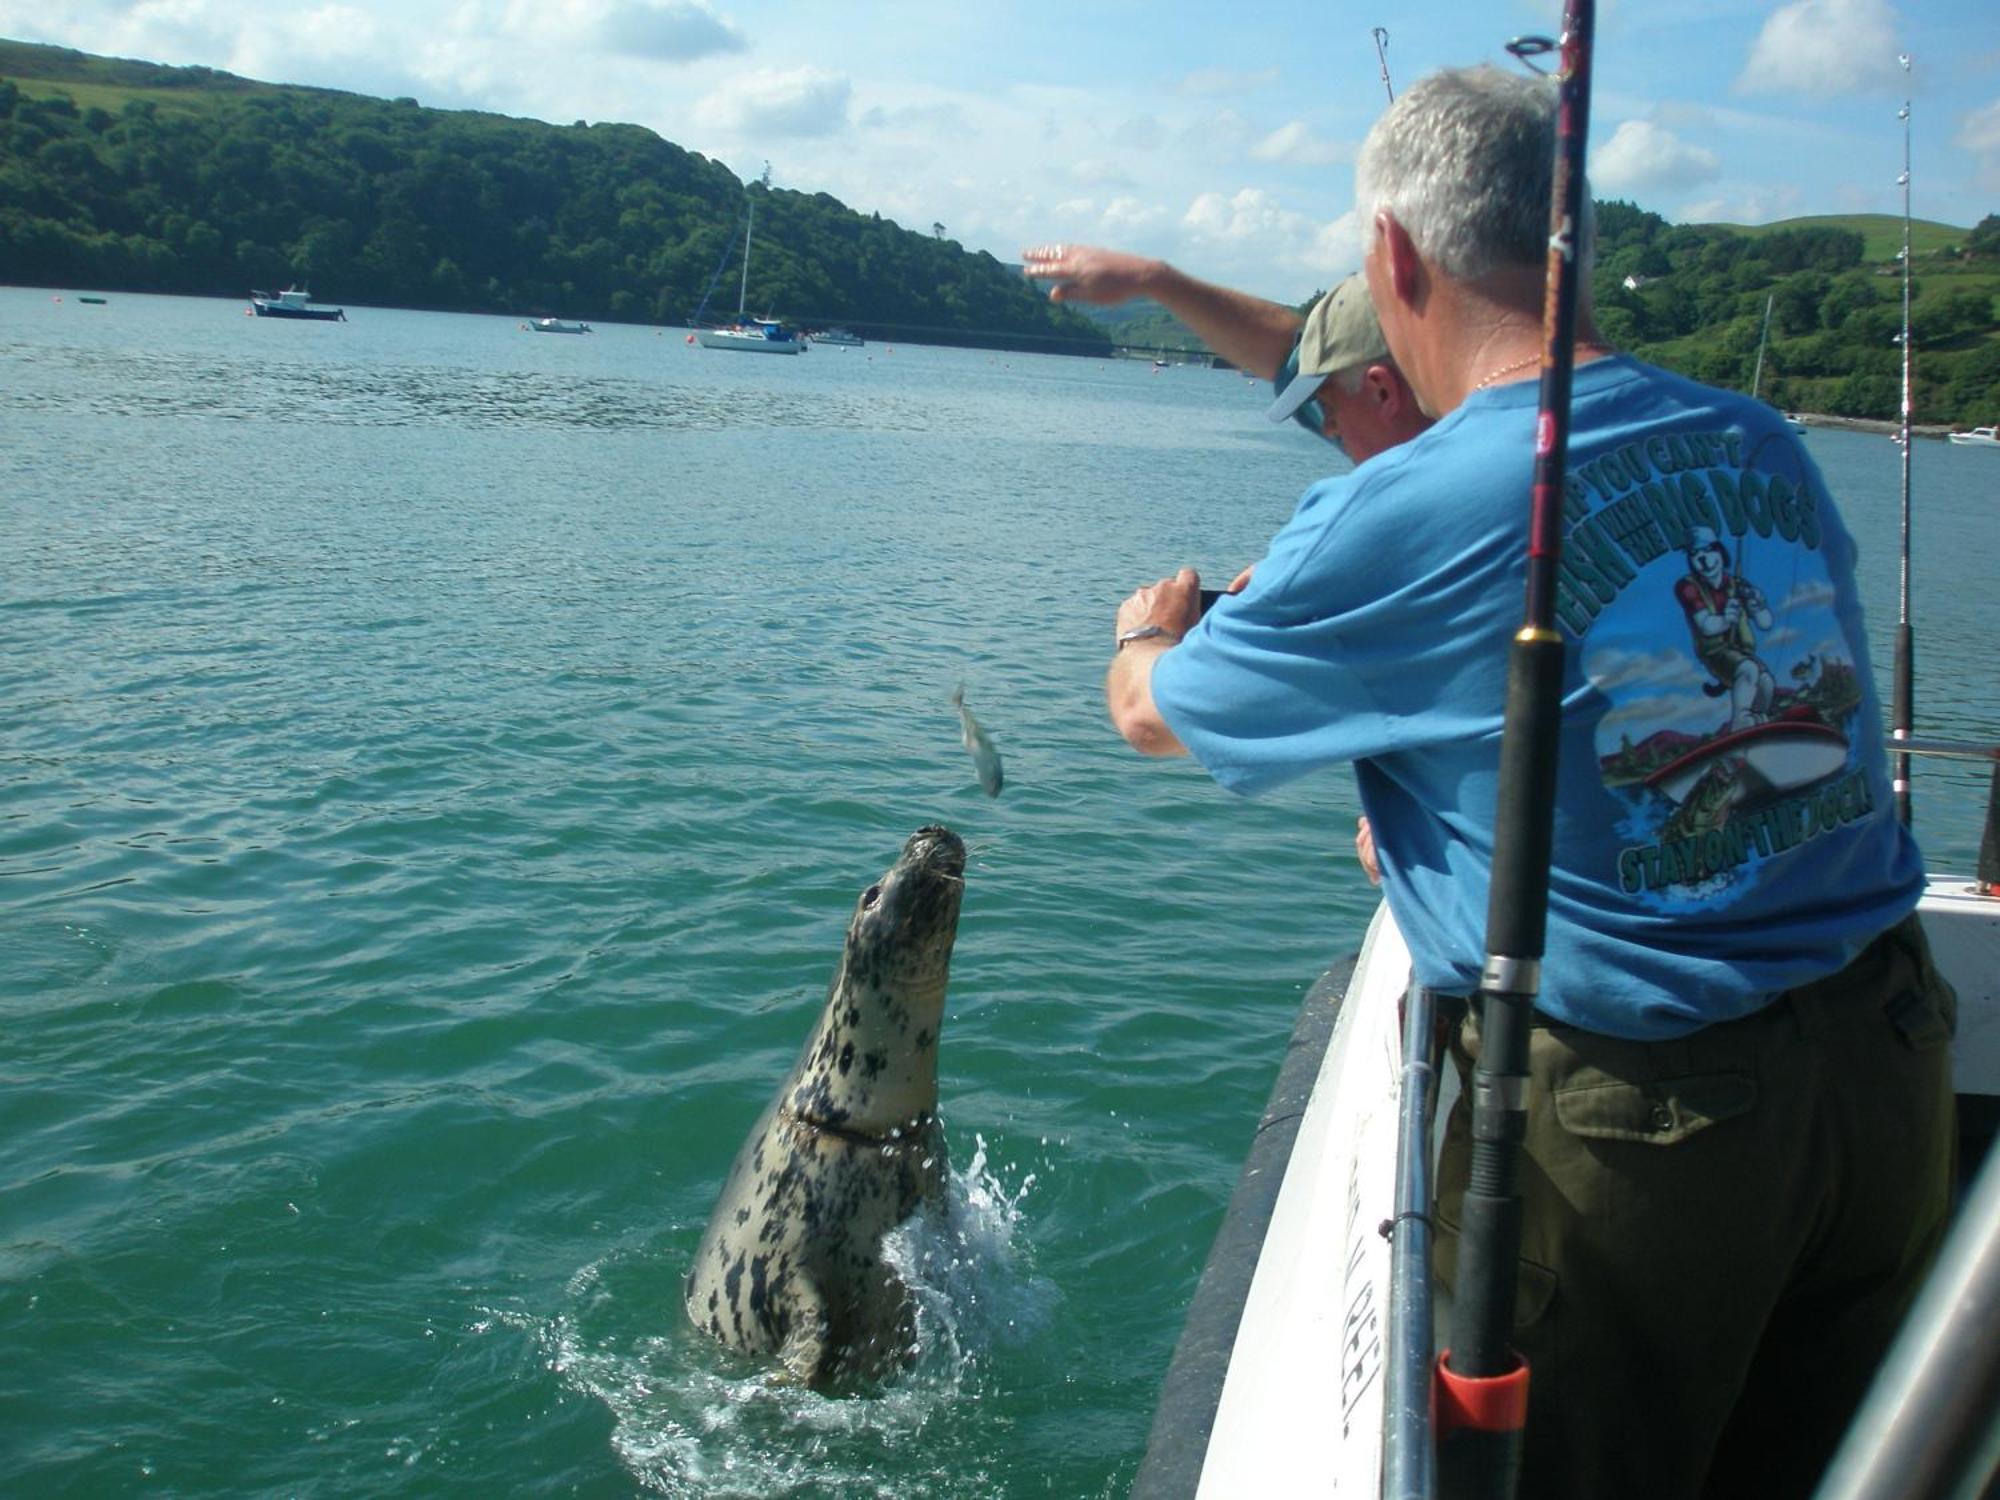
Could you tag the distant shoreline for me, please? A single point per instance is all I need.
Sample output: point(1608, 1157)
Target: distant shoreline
point(1874, 424)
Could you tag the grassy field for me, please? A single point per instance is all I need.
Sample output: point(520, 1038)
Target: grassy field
point(112, 97)
point(1881, 234)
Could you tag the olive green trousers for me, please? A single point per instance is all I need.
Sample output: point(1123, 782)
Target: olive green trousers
point(1722, 1231)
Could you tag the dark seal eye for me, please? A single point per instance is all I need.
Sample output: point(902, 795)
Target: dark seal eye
point(870, 896)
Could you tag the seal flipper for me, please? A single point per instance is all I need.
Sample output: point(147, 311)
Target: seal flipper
point(806, 1355)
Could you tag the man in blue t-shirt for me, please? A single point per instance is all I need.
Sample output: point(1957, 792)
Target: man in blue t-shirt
point(1333, 371)
point(1740, 1110)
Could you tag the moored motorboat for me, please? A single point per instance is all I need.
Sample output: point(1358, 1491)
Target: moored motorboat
point(294, 302)
point(1978, 437)
point(839, 338)
point(555, 325)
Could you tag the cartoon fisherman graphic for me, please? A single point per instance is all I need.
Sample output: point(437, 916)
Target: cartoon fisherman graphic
point(1721, 609)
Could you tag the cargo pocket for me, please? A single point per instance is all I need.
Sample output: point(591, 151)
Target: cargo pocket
point(1659, 1112)
point(1923, 1006)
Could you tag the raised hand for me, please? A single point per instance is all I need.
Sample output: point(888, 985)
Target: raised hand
point(1089, 273)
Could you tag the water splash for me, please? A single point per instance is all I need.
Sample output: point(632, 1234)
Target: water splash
point(691, 1419)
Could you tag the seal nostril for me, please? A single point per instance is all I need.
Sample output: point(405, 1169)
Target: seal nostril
point(870, 896)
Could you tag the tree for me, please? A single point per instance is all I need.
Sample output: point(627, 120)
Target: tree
point(1984, 240)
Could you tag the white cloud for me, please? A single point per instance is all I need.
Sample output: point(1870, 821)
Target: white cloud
point(1755, 205)
point(1205, 82)
point(1337, 247)
point(777, 102)
point(1820, 47)
point(936, 120)
point(1139, 133)
point(1099, 173)
point(1641, 155)
point(660, 30)
point(1295, 143)
point(1131, 218)
point(1225, 130)
point(1979, 133)
point(1252, 227)
point(678, 31)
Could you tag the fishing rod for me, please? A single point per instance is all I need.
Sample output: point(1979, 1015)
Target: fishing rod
point(1382, 58)
point(1902, 692)
point(1482, 1388)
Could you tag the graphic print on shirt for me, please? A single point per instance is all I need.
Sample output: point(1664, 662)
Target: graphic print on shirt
point(1693, 575)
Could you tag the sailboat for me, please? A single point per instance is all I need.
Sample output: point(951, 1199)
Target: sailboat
point(751, 335)
point(1757, 375)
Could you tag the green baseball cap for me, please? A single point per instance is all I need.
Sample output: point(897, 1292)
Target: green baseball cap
point(1341, 332)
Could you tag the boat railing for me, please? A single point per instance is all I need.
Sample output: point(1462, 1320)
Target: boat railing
point(1988, 876)
point(1929, 1428)
point(1409, 1447)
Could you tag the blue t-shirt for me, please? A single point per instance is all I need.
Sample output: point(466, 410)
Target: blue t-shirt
point(1723, 829)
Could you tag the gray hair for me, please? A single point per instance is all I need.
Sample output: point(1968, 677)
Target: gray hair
point(1465, 160)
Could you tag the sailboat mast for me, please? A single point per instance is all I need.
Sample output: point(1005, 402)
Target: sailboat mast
point(1902, 712)
point(1757, 375)
point(743, 289)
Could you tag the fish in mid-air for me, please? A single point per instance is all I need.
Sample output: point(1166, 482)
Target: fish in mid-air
point(980, 743)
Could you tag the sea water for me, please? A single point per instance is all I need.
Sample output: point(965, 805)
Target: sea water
point(437, 763)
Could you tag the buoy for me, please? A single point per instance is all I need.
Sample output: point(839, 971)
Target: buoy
point(690, 338)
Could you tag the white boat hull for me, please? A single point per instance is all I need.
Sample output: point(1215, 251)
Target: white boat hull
point(1309, 1357)
point(748, 343)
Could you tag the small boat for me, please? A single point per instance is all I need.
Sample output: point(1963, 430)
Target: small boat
point(755, 336)
point(1794, 421)
point(748, 335)
point(840, 338)
point(555, 325)
point(294, 302)
point(93, 301)
point(1978, 437)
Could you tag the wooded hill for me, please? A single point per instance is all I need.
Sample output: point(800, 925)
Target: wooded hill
point(132, 176)
point(1696, 298)
point(1692, 298)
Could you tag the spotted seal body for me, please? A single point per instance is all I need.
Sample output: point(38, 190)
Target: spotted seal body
point(791, 1263)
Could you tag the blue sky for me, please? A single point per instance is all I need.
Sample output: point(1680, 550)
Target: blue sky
point(1220, 137)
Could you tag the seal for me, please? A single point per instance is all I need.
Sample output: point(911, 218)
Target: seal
point(791, 1263)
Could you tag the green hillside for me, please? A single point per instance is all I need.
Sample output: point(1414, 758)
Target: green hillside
point(133, 176)
point(1881, 234)
point(1692, 298)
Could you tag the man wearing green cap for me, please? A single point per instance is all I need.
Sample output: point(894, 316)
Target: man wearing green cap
point(1368, 408)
